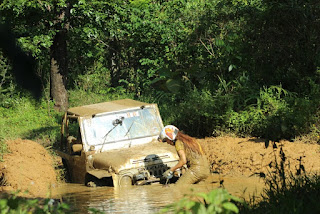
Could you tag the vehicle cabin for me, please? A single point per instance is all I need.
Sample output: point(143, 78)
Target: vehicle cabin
point(114, 141)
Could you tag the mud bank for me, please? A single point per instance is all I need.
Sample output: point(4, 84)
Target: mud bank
point(250, 156)
point(30, 167)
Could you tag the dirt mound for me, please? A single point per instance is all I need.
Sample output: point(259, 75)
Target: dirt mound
point(249, 156)
point(28, 167)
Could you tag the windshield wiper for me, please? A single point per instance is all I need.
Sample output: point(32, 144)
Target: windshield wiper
point(129, 128)
point(115, 123)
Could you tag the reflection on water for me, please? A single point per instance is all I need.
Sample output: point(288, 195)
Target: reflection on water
point(148, 198)
point(136, 199)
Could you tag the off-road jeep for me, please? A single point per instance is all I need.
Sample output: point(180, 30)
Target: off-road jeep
point(114, 143)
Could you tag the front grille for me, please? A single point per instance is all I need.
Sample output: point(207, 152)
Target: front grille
point(157, 170)
point(150, 159)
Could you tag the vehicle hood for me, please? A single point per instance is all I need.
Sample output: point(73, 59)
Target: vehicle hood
point(133, 157)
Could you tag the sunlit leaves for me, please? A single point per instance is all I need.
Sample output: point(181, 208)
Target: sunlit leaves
point(215, 202)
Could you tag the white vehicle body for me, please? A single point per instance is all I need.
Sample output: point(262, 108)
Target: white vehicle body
point(117, 140)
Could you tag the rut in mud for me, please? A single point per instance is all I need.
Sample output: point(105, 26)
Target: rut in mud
point(30, 167)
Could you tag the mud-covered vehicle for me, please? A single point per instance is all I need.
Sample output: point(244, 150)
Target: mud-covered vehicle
point(114, 143)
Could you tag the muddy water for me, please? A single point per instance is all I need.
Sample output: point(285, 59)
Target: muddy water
point(149, 198)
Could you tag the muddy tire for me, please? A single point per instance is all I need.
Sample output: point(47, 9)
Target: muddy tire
point(125, 181)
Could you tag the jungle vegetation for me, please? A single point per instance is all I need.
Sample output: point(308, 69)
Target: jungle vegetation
point(249, 67)
point(246, 67)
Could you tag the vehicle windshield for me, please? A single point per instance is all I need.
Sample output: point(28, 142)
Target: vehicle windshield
point(120, 126)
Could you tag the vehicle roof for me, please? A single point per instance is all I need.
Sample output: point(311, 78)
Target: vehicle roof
point(116, 105)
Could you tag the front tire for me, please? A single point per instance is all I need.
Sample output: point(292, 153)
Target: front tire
point(125, 181)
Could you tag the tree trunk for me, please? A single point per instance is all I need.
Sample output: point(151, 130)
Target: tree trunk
point(59, 66)
point(58, 73)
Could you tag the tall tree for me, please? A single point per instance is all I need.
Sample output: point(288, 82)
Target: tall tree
point(43, 28)
point(58, 58)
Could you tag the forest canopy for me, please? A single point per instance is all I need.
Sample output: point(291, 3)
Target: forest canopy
point(249, 67)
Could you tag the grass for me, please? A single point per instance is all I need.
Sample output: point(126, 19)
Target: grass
point(38, 121)
point(3, 150)
point(30, 120)
point(80, 97)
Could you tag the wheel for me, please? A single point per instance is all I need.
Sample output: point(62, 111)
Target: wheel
point(125, 180)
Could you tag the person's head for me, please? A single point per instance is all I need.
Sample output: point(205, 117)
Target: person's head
point(168, 134)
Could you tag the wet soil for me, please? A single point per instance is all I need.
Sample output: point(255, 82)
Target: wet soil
point(236, 164)
point(252, 157)
point(28, 167)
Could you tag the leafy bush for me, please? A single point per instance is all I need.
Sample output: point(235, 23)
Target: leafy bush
point(235, 107)
point(96, 79)
point(276, 114)
point(14, 204)
point(214, 202)
point(82, 97)
point(7, 86)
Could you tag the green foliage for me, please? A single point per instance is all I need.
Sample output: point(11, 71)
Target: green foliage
point(218, 62)
point(96, 80)
point(14, 204)
point(282, 37)
point(276, 114)
point(81, 97)
point(195, 113)
point(214, 202)
point(7, 87)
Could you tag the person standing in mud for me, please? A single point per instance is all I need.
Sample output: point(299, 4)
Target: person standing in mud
point(190, 152)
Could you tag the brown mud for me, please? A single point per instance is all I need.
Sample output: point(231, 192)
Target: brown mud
point(27, 167)
point(250, 156)
point(236, 164)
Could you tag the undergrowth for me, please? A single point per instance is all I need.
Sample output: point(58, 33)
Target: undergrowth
point(3, 150)
point(28, 119)
point(82, 97)
point(269, 112)
point(215, 202)
point(14, 204)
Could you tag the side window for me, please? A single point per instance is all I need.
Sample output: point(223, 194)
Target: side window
point(74, 143)
point(73, 129)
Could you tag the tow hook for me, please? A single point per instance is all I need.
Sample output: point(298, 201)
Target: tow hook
point(143, 174)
